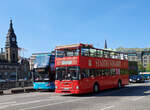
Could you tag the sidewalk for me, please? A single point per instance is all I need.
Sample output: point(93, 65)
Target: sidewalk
point(17, 90)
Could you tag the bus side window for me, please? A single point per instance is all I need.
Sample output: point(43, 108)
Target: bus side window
point(104, 73)
point(100, 72)
point(83, 74)
point(112, 72)
point(85, 52)
point(91, 73)
point(96, 72)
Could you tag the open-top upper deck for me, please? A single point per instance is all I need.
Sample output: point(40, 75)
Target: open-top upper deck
point(87, 50)
point(85, 55)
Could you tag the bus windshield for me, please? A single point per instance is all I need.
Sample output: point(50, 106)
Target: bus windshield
point(42, 75)
point(67, 73)
point(41, 61)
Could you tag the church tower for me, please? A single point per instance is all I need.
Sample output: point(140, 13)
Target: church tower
point(11, 47)
point(105, 45)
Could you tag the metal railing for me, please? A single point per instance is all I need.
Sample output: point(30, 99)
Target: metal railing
point(14, 84)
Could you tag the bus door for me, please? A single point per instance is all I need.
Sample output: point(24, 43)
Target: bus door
point(116, 73)
point(84, 82)
point(110, 78)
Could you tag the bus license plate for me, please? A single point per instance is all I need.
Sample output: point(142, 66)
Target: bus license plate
point(66, 88)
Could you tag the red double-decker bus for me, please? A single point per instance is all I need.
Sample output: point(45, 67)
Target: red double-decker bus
point(81, 68)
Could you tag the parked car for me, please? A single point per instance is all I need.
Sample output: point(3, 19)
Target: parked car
point(2, 80)
point(136, 78)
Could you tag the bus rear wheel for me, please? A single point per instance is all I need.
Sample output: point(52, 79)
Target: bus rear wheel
point(96, 88)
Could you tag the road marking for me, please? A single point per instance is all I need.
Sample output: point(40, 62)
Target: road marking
point(54, 98)
point(108, 107)
point(54, 103)
point(26, 103)
point(135, 99)
point(35, 101)
point(83, 103)
point(4, 103)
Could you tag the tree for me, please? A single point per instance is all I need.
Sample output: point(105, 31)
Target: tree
point(148, 68)
point(133, 67)
point(140, 67)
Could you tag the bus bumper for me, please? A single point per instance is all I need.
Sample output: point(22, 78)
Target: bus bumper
point(44, 85)
point(69, 91)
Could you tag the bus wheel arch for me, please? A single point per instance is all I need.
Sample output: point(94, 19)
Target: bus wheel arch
point(119, 83)
point(96, 87)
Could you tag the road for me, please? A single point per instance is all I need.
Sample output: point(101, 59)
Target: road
point(132, 97)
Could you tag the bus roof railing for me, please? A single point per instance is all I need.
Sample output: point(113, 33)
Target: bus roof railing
point(73, 46)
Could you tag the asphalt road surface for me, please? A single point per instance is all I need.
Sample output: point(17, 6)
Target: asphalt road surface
point(132, 97)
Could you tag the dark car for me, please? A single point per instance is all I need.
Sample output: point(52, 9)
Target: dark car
point(136, 78)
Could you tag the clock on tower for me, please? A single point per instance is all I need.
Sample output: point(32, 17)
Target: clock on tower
point(13, 39)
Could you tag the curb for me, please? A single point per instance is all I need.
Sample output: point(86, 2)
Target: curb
point(1, 92)
point(29, 90)
point(16, 90)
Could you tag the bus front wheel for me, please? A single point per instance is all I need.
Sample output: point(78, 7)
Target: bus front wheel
point(96, 88)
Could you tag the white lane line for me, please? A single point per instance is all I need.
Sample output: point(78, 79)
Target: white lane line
point(83, 103)
point(4, 103)
point(135, 99)
point(54, 103)
point(26, 103)
point(108, 107)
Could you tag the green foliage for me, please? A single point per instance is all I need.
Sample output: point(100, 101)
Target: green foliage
point(148, 68)
point(133, 67)
point(140, 67)
point(122, 49)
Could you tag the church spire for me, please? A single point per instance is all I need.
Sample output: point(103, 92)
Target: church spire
point(11, 37)
point(11, 27)
point(105, 46)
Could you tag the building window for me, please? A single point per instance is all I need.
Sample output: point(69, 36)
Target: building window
point(145, 57)
point(7, 55)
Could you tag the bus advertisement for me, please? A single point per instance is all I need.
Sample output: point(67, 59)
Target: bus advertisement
point(44, 72)
point(81, 68)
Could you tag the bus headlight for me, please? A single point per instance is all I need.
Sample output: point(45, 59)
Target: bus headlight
point(77, 87)
point(56, 87)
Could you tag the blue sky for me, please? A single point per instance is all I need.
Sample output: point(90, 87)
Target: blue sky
point(40, 25)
